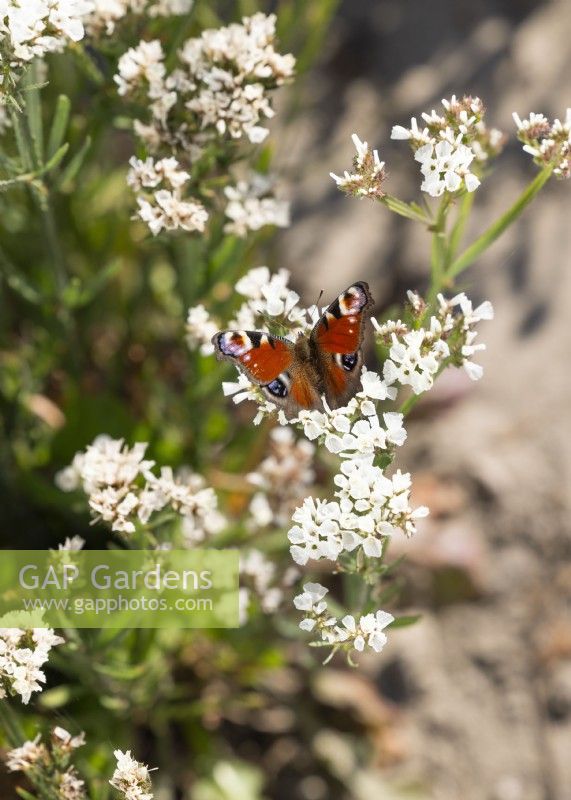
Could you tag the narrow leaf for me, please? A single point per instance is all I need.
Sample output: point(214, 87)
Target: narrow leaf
point(59, 124)
point(74, 166)
point(403, 622)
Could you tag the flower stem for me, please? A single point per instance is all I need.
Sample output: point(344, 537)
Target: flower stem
point(11, 724)
point(405, 210)
point(497, 228)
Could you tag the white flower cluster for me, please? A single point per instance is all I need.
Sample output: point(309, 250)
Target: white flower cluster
point(131, 777)
point(105, 14)
point(367, 176)
point(158, 185)
point(251, 206)
point(268, 296)
point(33, 28)
point(449, 142)
point(548, 143)
point(22, 655)
point(122, 489)
point(282, 479)
point(200, 328)
point(368, 508)
point(356, 429)
point(219, 86)
point(416, 355)
point(36, 756)
point(259, 579)
point(445, 166)
point(350, 634)
point(23, 758)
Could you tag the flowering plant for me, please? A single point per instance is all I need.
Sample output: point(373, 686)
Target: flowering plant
point(122, 216)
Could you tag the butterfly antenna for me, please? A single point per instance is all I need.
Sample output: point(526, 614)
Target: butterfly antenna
point(318, 299)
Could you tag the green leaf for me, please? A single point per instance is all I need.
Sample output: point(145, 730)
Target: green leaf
point(121, 672)
point(403, 622)
point(24, 794)
point(19, 283)
point(34, 115)
point(55, 159)
point(69, 173)
point(59, 124)
point(77, 295)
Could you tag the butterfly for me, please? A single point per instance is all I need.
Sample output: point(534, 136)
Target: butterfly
point(297, 374)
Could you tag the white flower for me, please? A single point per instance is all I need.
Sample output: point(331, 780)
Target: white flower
point(65, 740)
point(122, 490)
point(368, 631)
point(37, 27)
point(23, 758)
point(368, 174)
point(200, 328)
point(283, 477)
point(250, 285)
point(317, 533)
point(131, 777)
point(549, 144)
point(165, 210)
point(72, 544)
point(374, 387)
point(444, 167)
point(251, 206)
point(71, 786)
point(151, 173)
point(258, 577)
point(142, 63)
point(22, 654)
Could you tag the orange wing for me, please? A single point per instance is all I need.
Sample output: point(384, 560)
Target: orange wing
point(341, 328)
point(260, 356)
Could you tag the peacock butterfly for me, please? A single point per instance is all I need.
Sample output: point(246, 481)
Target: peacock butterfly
point(297, 374)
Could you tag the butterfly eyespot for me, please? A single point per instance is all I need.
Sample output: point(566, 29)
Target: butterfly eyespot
point(277, 387)
point(347, 361)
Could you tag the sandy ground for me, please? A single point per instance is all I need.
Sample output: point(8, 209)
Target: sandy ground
point(483, 684)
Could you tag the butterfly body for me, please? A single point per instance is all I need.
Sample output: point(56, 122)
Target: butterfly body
point(298, 374)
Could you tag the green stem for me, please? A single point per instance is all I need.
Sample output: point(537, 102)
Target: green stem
point(11, 724)
point(405, 210)
point(53, 242)
point(457, 231)
point(438, 248)
point(497, 228)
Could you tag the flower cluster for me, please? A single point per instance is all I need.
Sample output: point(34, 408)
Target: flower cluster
point(548, 143)
point(449, 142)
point(356, 429)
point(259, 579)
point(219, 86)
point(350, 634)
point(30, 30)
point(123, 489)
point(251, 206)
point(37, 759)
point(368, 507)
point(159, 185)
point(22, 655)
point(269, 302)
point(367, 176)
point(415, 355)
point(282, 478)
point(218, 89)
point(131, 777)
point(106, 14)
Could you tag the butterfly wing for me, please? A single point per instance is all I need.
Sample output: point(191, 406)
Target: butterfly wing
point(264, 359)
point(338, 337)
